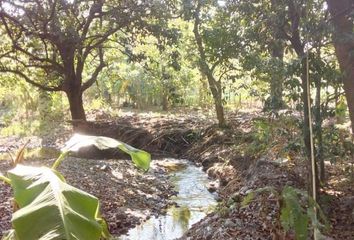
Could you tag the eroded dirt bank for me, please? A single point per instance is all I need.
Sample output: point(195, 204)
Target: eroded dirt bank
point(242, 158)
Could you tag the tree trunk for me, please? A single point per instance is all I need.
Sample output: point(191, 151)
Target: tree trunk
point(216, 92)
point(276, 85)
point(203, 88)
point(220, 112)
point(349, 94)
point(344, 46)
point(299, 47)
point(277, 78)
point(44, 109)
point(306, 128)
point(164, 101)
point(76, 106)
point(215, 86)
point(318, 120)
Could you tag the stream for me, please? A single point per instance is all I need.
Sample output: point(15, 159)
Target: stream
point(193, 201)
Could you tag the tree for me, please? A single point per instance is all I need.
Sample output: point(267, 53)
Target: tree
point(292, 25)
point(216, 39)
point(64, 40)
point(265, 45)
point(155, 68)
point(301, 16)
point(342, 18)
point(163, 60)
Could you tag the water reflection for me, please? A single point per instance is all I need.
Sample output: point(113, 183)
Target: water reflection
point(194, 202)
point(181, 216)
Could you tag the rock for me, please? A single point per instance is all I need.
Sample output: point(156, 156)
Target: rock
point(105, 168)
point(213, 186)
point(218, 199)
point(229, 224)
point(248, 191)
point(289, 183)
point(236, 197)
point(243, 190)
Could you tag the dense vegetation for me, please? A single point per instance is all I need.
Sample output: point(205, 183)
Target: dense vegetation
point(63, 61)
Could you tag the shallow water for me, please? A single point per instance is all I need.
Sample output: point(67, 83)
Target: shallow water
point(194, 201)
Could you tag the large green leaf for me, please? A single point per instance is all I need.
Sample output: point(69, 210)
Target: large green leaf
point(140, 158)
point(293, 216)
point(50, 209)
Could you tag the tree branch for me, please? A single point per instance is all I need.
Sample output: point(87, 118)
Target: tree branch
point(94, 75)
point(104, 37)
point(27, 79)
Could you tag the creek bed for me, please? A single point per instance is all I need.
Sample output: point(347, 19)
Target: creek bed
point(193, 203)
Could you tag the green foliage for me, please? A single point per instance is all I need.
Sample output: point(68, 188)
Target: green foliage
point(248, 199)
point(58, 210)
point(21, 109)
point(20, 129)
point(295, 145)
point(261, 136)
point(140, 158)
point(295, 214)
point(337, 145)
point(4, 179)
point(341, 110)
point(263, 130)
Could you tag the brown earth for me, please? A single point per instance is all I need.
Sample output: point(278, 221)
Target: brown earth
point(230, 156)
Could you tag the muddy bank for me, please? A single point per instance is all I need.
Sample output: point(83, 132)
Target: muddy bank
point(244, 158)
point(259, 219)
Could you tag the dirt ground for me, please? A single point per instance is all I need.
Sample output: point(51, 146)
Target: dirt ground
point(219, 151)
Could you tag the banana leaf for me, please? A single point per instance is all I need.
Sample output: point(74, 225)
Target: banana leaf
point(4, 179)
point(50, 209)
point(140, 158)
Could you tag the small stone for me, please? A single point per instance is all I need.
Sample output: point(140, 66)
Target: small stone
point(289, 183)
point(248, 191)
point(104, 168)
point(238, 222)
point(230, 201)
point(212, 186)
point(229, 224)
point(243, 190)
point(218, 199)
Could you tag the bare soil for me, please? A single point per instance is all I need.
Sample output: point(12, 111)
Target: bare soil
point(122, 189)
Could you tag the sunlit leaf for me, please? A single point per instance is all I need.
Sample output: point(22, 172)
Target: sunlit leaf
point(52, 209)
point(5, 179)
point(10, 235)
point(20, 157)
point(140, 158)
